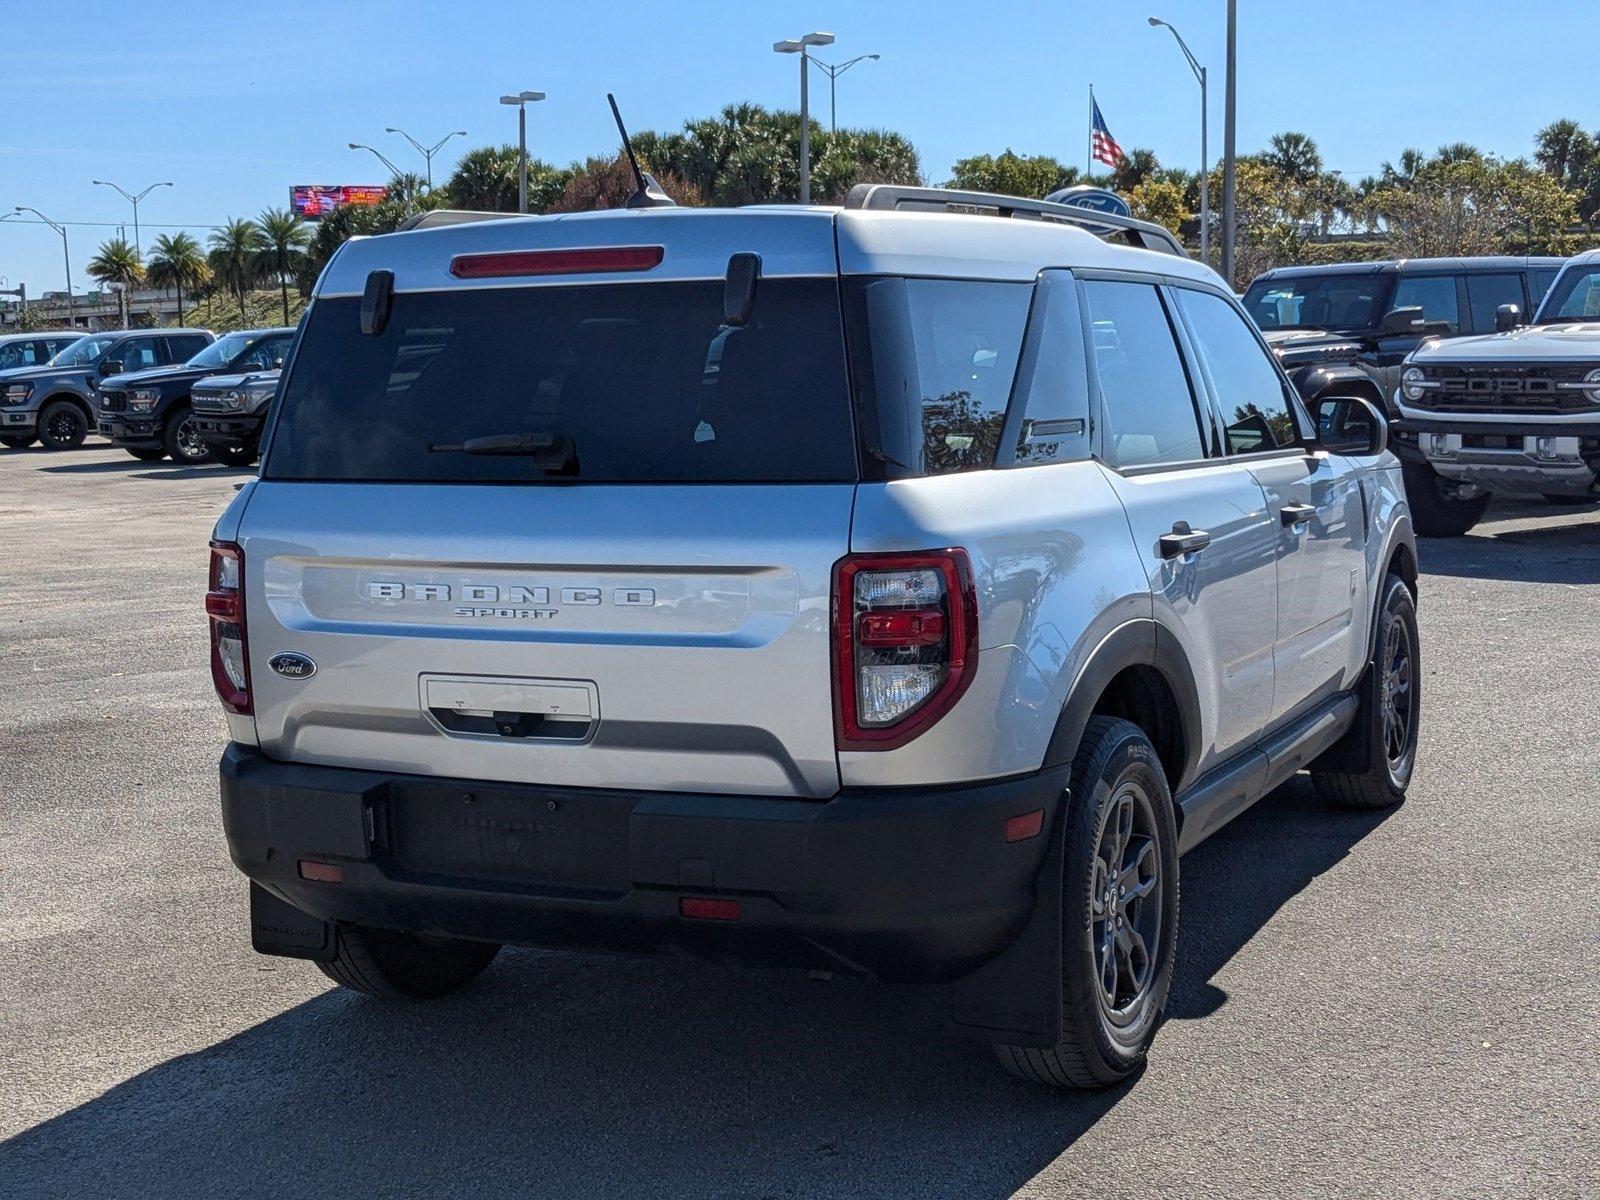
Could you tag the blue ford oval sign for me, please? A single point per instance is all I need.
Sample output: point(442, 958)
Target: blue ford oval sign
point(292, 665)
point(1096, 199)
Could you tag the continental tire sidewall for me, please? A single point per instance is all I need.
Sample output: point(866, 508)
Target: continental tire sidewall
point(1397, 607)
point(1128, 754)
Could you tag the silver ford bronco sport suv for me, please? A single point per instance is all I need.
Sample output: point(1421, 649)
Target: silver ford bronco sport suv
point(895, 589)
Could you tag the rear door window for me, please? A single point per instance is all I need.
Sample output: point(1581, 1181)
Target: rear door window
point(1149, 410)
point(620, 383)
point(934, 363)
point(138, 354)
point(1486, 293)
point(1436, 296)
point(1256, 412)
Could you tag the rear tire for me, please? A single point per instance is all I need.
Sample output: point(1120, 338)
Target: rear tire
point(62, 425)
point(181, 441)
point(235, 456)
point(1434, 511)
point(1375, 769)
point(1120, 924)
point(146, 453)
point(16, 441)
point(404, 966)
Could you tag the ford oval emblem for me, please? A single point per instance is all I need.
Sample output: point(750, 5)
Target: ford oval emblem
point(292, 666)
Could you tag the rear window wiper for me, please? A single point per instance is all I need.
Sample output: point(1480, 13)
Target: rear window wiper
point(554, 450)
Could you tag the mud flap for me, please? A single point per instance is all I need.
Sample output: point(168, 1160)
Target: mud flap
point(278, 927)
point(1016, 997)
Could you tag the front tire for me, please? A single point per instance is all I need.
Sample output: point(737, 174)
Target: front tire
point(146, 454)
point(1375, 767)
point(16, 441)
point(62, 425)
point(1436, 512)
point(1120, 925)
point(404, 966)
point(181, 441)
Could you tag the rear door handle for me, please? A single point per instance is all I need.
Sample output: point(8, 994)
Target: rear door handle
point(1297, 514)
point(1183, 540)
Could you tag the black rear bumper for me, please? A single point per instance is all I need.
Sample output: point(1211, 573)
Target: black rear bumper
point(917, 886)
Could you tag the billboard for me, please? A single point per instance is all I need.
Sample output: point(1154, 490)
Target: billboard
point(315, 200)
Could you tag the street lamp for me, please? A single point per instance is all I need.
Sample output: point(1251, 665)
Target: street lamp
point(428, 152)
point(65, 258)
point(1205, 156)
point(800, 47)
point(522, 100)
point(833, 73)
point(394, 171)
point(133, 200)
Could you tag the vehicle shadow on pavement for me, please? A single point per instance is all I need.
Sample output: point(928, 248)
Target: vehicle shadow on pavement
point(568, 1075)
point(1568, 552)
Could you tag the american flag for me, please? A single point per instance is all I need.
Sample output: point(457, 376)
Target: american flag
point(1102, 146)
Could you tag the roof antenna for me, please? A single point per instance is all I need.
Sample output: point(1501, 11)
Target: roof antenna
point(649, 194)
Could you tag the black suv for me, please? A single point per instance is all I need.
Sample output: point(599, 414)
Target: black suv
point(148, 413)
point(1350, 323)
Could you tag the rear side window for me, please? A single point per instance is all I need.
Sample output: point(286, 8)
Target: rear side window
point(1149, 411)
point(137, 354)
point(934, 363)
point(637, 382)
point(186, 347)
point(1485, 293)
point(1255, 407)
point(1436, 296)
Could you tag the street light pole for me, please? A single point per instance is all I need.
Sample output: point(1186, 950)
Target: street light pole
point(802, 46)
point(1205, 153)
point(66, 258)
point(522, 100)
point(394, 171)
point(833, 73)
point(428, 152)
point(1229, 112)
point(133, 200)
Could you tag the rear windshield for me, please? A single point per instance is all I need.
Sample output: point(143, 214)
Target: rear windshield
point(1332, 300)
point(628, 383)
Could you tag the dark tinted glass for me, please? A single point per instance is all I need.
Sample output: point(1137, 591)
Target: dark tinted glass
point(137, 354)
point(1149, 414)
point(1335, 300)
point(1254, 405)
point(19, 354)
point(1053, 381)
point(186, 346)
point(1576, 296)
point(265, 353)
point(1435, 295)
point(934, 364)
point(1539, 281)
point(643, 379)
point(1485, 293)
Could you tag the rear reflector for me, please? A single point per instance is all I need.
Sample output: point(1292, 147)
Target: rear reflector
point(556, 262)
point(703, 908)
point(320, 872)
point(1024, 826)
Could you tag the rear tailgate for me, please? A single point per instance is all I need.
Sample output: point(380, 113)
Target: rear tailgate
point(694, 622)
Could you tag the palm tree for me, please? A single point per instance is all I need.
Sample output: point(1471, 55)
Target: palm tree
point(118, 262)
point(1134, 168)
point(233, 258)
point(176, 260)
point(1295, 156)
point(283, 243)
point(1563, 149)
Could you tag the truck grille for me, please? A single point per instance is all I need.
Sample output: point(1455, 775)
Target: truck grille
point(113, 402)
point(210, 404)
point(1506, 388)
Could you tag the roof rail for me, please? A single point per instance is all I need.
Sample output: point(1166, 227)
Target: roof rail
point(892, 197)
point(436, 217)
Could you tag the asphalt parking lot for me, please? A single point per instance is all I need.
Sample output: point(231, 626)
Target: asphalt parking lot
point(1404, 1003)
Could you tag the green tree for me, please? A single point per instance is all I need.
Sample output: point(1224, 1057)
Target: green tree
point(485, 180)
point(176, 261)
point(118, 262)
point(1012, 174)
point(1134, 168)
point(281, 246)
point(234, 257)
point(1470, 206)
point(607, 183)
point(1159, 201)
point(1563, 149)
point(1294, 156)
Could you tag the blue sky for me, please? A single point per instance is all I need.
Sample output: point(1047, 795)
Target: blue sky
point(233, 103)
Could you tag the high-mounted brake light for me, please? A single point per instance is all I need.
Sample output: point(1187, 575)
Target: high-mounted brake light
point(905, 644)
point(595, 259)
point(230, 655)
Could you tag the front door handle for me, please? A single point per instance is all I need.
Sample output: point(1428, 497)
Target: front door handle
point(1297, 514)
point(1183, 540)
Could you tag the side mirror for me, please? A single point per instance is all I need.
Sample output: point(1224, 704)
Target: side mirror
point(1400, 322)
point(1351, 425)
point(111, 366)
point(1506, 318)
point(277, 362)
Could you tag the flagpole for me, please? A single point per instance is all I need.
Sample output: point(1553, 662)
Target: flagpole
point(1088, 162)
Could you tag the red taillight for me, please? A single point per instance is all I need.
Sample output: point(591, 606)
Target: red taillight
point(321, 872)
point(230, 656)
point(556, 262)
point(905, 644)
point(1024, 825)
point(705, 908)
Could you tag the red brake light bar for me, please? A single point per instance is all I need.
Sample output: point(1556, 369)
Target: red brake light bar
point(592, 260)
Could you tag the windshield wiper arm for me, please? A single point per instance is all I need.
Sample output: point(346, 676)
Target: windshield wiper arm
point(555, 450)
